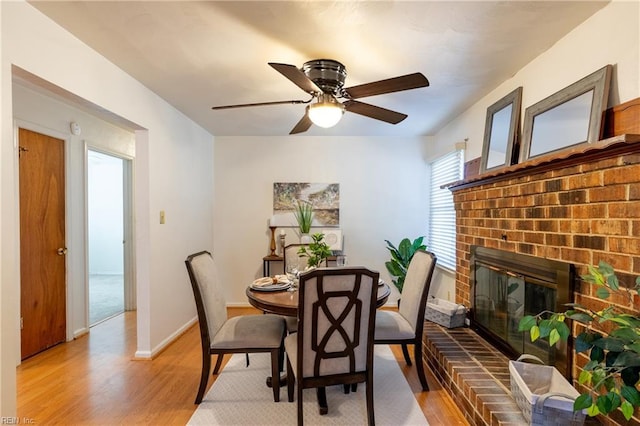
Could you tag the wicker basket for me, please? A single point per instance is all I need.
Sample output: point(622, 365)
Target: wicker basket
point(543, 395)
point(445, 313)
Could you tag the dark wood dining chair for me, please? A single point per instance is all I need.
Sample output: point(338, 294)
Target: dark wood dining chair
point(334, 342)
point(221, 335)
point(406, 326)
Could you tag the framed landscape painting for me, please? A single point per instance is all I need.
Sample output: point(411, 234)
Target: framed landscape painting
point(324, 197)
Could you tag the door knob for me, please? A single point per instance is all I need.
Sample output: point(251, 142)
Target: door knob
point(62, 251)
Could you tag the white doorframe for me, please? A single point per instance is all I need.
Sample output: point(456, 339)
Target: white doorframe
point(130, 301)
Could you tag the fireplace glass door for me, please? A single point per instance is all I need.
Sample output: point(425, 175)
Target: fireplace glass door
point(502, 298)
point(505, 286)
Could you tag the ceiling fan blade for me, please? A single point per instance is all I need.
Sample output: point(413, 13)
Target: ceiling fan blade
point(373, 111)
point(261, 104)
point(390, 85)
point(297, 77)
point(303, 125)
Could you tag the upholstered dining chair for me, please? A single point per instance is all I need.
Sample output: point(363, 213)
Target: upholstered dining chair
point(291, 256)
point(334, 342)
point(221, 335)
point(405, 326)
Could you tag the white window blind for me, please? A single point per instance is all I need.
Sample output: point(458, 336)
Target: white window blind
point(442, 215)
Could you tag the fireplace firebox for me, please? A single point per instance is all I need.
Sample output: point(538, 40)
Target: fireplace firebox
point(505, 286)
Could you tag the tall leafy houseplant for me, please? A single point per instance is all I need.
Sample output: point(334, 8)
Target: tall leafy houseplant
point(303, 213)
point(612, 339)
point(400, 258)
point(316, 252)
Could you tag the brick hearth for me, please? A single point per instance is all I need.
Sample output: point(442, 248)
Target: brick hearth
point(475, 374)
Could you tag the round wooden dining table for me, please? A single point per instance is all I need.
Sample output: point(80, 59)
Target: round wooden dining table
point(285, 302)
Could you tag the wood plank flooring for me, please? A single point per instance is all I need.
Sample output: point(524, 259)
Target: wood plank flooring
point(94, 381)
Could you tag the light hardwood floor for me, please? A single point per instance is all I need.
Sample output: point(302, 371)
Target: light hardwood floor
point(94, 381)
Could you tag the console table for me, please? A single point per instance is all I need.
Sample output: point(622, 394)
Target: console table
point(266, 264)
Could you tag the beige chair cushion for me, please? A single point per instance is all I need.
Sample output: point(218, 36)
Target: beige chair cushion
point(414, 283)
point(292, 324)
point(206, 275)
point(390, 325)
point(252, 331)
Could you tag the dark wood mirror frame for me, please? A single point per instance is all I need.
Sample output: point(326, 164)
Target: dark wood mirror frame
point(565, 101)
point(507, 132)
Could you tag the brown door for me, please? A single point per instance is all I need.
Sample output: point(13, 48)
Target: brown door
point(42, 242)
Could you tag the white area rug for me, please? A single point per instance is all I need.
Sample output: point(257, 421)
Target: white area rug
point(240, 397)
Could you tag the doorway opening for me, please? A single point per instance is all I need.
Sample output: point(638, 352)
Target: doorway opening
point(106, 229)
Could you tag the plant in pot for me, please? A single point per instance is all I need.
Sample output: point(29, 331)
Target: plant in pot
point(303, 213)
point(611, 337)
point(400, 258)
point(316, 252)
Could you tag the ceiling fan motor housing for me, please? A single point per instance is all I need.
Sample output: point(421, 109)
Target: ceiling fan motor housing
point(327, 74)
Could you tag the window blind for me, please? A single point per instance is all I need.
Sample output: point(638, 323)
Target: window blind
point(442, 214)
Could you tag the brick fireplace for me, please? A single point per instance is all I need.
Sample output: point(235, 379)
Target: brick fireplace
point(579, 207)
point(506, 286)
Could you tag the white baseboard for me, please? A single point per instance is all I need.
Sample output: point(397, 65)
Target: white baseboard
point(80, 332)
point(142, 356)
point(148, 355)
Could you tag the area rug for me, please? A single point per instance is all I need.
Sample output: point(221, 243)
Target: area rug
point(240, 397)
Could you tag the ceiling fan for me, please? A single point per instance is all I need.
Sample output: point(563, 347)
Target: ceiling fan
point(323, 79)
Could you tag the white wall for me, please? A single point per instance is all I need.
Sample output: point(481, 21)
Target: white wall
point(611, 36)
point(43, 114)
point(172, 173)
point(383, 186)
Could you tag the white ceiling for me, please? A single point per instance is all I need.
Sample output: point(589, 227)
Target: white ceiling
point(199, 54)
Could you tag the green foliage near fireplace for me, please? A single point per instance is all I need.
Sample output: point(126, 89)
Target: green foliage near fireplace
point(613, 370)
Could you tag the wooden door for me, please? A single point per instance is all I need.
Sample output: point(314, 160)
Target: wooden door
point(42, 242)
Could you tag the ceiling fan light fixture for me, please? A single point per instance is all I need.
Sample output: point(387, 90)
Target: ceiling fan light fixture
point(323, 80)
point(327, 112)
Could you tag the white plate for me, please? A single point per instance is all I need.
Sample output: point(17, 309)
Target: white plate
point(272, 287)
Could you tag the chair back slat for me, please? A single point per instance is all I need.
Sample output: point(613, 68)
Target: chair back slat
point(336, 320)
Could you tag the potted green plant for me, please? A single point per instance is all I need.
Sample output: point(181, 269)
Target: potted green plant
point(316, 252)
point(303, 213)
point(612, 339)
point(400, 258)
